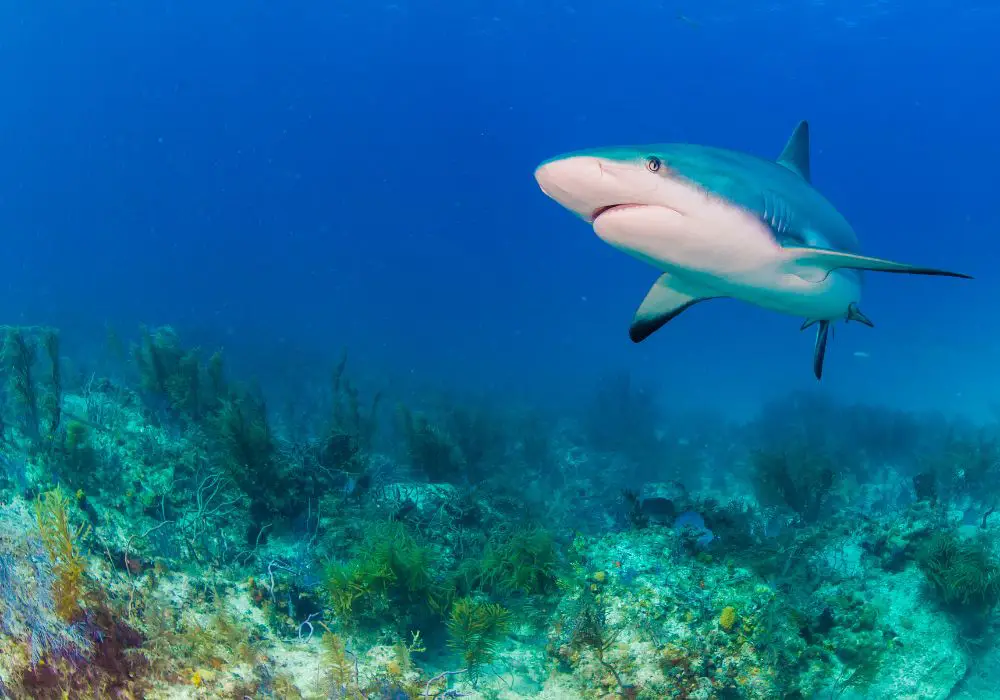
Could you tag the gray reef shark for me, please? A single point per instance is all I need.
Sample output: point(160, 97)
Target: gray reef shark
point(721, 223)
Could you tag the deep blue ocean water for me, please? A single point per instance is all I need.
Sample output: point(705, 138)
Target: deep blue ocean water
point(288, 179)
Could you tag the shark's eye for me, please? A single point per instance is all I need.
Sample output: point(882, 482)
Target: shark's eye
point(653, 164)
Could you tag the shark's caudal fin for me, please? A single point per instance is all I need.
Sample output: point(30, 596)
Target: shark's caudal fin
point(795, 155)
point(664, 301)
point(814, 264)
point(819, 351)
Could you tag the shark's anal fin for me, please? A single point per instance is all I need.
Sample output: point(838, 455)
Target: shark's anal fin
point(819, 351)
point(814, 264)
point(664, 301)
point(795, 155)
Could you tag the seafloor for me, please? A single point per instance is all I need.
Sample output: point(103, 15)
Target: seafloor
point(165, 533)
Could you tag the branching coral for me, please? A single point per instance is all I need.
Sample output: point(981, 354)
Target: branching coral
point(62, 542)
point(458, 445)
point(481, 436)
point(968, 463)
point(390, 567)
point(475, 628)
point(346, 438)
point(342, 670)
point(796, 477)
point(591, 631)
point(169, 373)
point(430, 448)
point(395, 677)
point(52, 398)
point(250, 458)
point(963, 574)
point(89, 656)
point(524, 562)
point(18, 362)
point(28, 580)
point(78, 466)
point(347, 419)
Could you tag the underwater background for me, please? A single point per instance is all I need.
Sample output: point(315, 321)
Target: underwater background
point(310, 392)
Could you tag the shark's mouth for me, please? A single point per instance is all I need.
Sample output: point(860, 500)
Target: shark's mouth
point(605, 209)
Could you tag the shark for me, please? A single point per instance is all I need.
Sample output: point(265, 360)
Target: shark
point(719, 223)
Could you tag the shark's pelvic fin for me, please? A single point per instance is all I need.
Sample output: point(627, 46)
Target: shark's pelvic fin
point(664, 302)
point(795, 156)
point(854, 314)
point(819, 352)
point(814, 264)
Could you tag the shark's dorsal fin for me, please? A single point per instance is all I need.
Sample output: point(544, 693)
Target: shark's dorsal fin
point(664, 302)
point(795, 155)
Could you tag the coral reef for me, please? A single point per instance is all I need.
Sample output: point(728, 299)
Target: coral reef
point(165, 533)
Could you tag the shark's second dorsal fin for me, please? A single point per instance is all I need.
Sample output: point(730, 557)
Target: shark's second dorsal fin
point(795, 155)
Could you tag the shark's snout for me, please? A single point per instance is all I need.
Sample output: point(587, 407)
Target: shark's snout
point(579, 183)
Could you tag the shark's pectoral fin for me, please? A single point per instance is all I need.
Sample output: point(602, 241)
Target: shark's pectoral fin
point(819, 351)
point(814, 264)
point(664, 301)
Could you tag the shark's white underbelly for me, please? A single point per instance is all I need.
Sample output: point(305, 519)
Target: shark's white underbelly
point(777, 290)
point(723, 252)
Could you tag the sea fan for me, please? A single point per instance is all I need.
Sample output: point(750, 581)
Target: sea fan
point(28, 578)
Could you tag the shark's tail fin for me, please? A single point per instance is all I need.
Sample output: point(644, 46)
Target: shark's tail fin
point(819, 350)
point(815, 264)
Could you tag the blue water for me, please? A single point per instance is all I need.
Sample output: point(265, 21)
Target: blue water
point(286, 179)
